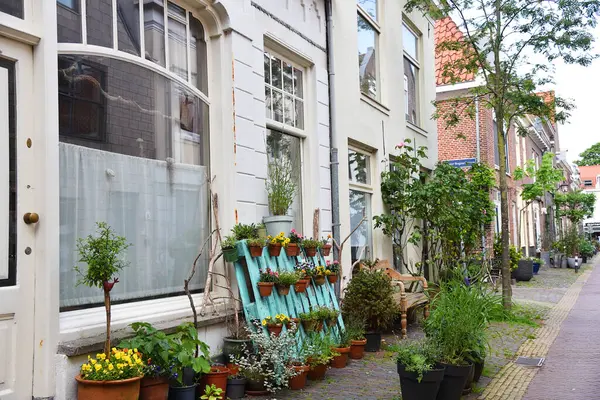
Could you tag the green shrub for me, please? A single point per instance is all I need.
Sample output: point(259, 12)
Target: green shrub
point(228, 242)
point(243, 231)
point(418, 357)
point(369, 296)
point(287, 278)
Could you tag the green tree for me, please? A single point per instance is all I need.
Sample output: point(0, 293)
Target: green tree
point(576, 206)
point(545, 180)
point(590, 157)
point(510, 45)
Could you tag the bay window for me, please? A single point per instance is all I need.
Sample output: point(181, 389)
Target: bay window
point(134, 144)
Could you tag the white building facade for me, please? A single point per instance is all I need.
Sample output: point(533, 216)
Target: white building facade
point(122, 111)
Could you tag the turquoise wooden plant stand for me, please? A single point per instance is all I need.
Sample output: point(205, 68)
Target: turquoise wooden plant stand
point(247, 271)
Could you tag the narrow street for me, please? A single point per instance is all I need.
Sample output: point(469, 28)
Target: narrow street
point(571, 370)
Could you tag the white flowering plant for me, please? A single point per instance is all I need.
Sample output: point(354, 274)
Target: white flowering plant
point(269, 359)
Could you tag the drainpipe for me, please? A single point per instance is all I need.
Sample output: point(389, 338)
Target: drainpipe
point(478, 155)
point(333, 158)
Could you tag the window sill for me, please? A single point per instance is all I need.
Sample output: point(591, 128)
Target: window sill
point(375, 104)
point(415, 128)
point(82, 331)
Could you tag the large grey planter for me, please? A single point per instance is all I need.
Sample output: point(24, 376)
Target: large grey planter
point(277, 224)
point(563, 261)
point(545, 257)
point(524, 272)
point(571, 262)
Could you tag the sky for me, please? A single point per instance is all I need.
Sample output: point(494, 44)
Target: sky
point(582, 85)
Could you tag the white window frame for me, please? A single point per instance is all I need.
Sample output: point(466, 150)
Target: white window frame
point(415, 62)
point(374, 23)
point(90, 322)
point(366, 188)
point(282, 126)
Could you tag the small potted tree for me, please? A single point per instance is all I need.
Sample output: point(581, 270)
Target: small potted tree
point(292, 249)
point(420, 379)
point(230, 253)
point(266, 281)
point(104, 257)
point(369, 296)
point(286, 279)
point(281, 190)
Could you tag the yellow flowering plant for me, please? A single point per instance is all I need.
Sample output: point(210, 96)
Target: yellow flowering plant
point(280, 239)
point(278, 319)
point(119, 364)
point(321, 270)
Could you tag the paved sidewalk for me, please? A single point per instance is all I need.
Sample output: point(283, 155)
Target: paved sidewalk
point(572, 370)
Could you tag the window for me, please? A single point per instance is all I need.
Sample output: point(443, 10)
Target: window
point(368, 42)
point(12, 7)
point(82, 111)
point(359, 173)
point(283, 148)
point(134, 148)
point(588, 183)
point(410, 42)
point(284, 91)
point(72, 4)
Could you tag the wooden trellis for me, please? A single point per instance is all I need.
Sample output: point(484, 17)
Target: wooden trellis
point(247, 270)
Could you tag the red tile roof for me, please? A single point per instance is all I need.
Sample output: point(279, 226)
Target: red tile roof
point(446, 30)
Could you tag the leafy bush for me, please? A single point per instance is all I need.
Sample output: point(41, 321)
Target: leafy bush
point(369, 296)
point(186, 350)
point(586, 248)
point(212, 393)
point(318, 349)
point(514, 253)
point(257, 242)
point(571, 242)
point(243, 231)
point(154, 345)
point(418, 357)
point(355, 328)
point(287, 278)
point(228, 243)
point(312, 244)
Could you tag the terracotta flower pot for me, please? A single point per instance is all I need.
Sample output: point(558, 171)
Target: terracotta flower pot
point(283, 290)
point(256, 251)
point(300, 286)
point(310, 251)
point(275, 329)
point(317, 372)
point(292, 250)
point(325, 250)
point(319, 280)
point(126, 389)
point(309, 325)
point(296, 321)
point(319, 326)
point(274, 250)
point(357, 349)
point(265, 288)
point(154, 388)
point(299, 381)
point(341, 360)
point(233, 369)
point(217, 376)
point(332, 278)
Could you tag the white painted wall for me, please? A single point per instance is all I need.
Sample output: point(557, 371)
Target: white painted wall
point(379, 126)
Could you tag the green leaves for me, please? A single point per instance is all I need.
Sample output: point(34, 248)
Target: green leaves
point(590, 156)
point(576, 206)
point(103, 255)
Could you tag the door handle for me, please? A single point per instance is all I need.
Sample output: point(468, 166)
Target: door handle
point(31, 218)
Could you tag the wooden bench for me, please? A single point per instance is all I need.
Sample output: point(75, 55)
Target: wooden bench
point(407, 300)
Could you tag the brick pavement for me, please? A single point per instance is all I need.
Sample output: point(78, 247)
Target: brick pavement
point(572, 370)
point(513, 380)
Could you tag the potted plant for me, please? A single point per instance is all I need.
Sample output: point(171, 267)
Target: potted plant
point(332, 270)
point(355, 329)
point(457, 327)
point(216, 376)
point(298, 381)
point(332, 317)
point(319, 276)
point(292, 249)
point(230, 253)
point(256, 246)
point(537, 263)
point(154, 346)
point(104, 258)
point(293, 324)
point(343, 349)
point(261, 231)
point(275, 244)
point(245, 231)
point(275, 324)
point(236, 341)
point(319, 352)
point(281, 190)
point(212, 393)
point(309, 321)
point(311, 246)
point(117, 375)
point(369, 296)
point(304, 271)
point(266, 281)
point(236, 386)
point(187, 354)
point(326, 246)
point(420, 379)
point(524, 270)
point(587, 250)
point(286, 279)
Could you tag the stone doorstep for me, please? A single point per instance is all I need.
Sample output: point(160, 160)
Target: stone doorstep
point(95, 344)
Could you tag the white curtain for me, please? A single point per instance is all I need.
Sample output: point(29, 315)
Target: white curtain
point(161, 208)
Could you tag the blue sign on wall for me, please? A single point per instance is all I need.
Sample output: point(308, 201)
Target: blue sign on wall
point(465, 162)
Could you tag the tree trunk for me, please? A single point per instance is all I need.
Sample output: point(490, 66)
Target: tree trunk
point(107, 307)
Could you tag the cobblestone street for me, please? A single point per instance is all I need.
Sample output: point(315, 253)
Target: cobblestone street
point(550, 296)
